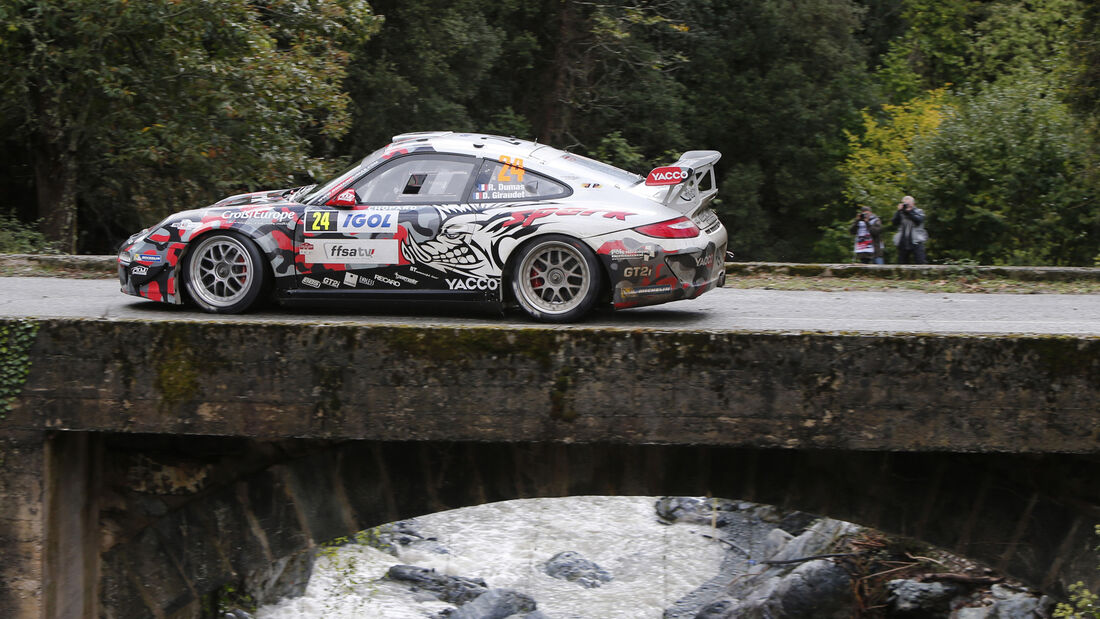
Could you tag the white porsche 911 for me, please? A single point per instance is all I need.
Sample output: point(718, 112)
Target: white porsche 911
point(448, 216)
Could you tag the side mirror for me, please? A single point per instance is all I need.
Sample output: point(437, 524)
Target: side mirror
point(346, 197)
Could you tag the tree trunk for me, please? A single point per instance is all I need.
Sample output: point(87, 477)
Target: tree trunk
point(55, 177)
point(555, 123)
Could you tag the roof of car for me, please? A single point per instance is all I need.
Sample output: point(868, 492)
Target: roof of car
point(566, 165)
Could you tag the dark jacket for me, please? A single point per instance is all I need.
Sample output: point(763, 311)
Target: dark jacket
point(911, 224)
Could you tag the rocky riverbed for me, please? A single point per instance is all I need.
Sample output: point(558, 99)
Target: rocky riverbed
point(639, 557)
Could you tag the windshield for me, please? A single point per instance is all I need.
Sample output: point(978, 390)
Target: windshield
point(329, 188)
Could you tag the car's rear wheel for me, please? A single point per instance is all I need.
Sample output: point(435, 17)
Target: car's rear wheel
point(224, 273)
point(556, 279)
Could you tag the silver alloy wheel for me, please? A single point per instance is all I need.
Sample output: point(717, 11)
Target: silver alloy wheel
point(221, 271)
point(554, 277)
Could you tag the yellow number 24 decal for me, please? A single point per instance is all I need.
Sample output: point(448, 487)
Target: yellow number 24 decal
point(320, 220)
point(511, 170)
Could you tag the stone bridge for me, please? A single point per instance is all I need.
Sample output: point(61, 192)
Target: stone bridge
point(146, 465)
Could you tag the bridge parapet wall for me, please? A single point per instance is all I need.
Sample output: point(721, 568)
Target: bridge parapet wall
point(792, 390)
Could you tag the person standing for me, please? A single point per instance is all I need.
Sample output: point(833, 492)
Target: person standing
point(911, 234)
point(867, 229)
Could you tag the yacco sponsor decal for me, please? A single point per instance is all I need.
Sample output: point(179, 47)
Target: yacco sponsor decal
point(706, 260)
point(148, 258)
point(350, 222)
point(405, 278)
point(139, 270)
point(351, 280)
point(312, 283)
point(473, 283)
point(634, 292)
point(266, 215)
point(386, 280)
point(357, 251)
point(328, 281)
point(668, 175)
point(527, 217)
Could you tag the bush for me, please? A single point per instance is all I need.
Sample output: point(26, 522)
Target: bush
point(17, 237)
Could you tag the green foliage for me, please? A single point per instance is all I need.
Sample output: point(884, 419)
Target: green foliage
point(16, 339)
point(934, 49)
point(773, 84)
point(1022, 37)
point(130, 110)
point(878, 169)
point(166, 104)
point(1001, 180)
point(1083, 604)
point(17, 237)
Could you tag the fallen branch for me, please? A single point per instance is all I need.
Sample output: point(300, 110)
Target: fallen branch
point(963, 579)
point(811, 558)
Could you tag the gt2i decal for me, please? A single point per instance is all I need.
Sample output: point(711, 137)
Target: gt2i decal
point(366, 251)
point(349, 222)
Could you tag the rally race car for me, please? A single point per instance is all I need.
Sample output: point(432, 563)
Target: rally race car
point(448, 216)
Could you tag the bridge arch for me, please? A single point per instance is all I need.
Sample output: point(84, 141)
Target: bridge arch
point(242, 510)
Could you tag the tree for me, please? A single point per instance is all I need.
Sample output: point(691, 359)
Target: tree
point(1002, 179)
point(162, 103)
point(773, 84)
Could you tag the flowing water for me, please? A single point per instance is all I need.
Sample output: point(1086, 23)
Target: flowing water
point(652, 564)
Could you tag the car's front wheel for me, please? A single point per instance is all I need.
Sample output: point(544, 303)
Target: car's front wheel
point(556, 279)
point(224, 273)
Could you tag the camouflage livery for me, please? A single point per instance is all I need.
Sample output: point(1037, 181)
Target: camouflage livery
point(449, 216)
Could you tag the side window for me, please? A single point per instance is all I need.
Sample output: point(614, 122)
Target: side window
point(417, 179)
point(509, 180)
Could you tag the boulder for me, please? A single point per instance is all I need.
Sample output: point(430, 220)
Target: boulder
point(921, 599)
point(453, 589)
point(497, 604)
point(573, 567)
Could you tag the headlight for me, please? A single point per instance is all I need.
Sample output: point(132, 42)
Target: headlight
point(125, 256)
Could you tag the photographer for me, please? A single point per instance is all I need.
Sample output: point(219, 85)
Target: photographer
point(867, 229)
point(911, 235)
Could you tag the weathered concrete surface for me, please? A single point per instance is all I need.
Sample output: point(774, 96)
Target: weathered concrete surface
point(557, 404)
point(22, 524)
point(816, 391)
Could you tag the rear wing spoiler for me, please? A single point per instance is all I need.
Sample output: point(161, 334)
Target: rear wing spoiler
point(691, 182)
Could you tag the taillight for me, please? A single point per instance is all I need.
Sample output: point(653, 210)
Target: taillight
point(679, 228)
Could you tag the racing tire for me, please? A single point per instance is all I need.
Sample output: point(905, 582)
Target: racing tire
point(224, 273)
point(556, 279)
